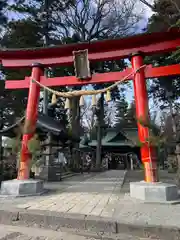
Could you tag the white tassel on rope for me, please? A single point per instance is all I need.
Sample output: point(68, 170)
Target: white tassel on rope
point(67, 104)
point(108, 96)
point(81, 101)
point(54, 99)
point(94, 102)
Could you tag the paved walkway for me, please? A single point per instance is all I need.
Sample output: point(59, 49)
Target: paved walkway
point(53, 188)
point(100, 196)
point(96, 196)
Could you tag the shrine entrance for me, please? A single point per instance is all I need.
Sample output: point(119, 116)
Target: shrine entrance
point(118, 161)
point(135, 48)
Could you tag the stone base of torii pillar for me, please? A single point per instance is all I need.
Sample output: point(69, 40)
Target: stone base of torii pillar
point(157, 192)
point(20, 188)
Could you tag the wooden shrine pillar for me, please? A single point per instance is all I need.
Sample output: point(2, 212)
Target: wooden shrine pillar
point(30, 121)
point(148, 155)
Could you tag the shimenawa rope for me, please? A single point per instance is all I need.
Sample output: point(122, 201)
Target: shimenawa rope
point(87, 92)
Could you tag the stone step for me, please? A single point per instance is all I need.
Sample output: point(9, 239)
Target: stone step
point(88, 226)
point(32, 233)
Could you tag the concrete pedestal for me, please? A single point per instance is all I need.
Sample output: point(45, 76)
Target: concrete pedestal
point(19, 188)
point(154, 192)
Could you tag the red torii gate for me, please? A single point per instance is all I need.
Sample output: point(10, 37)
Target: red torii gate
point(135, 47)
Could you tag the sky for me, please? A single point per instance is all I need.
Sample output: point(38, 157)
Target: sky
point(147, 10)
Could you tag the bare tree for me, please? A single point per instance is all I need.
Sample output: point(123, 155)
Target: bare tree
point(88, 118)
point(95, 19)
point(146, 2)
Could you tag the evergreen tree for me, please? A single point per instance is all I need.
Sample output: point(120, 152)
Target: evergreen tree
point(19, 34)
point(42, 12)
point(23, 33)
point(130, 118)
point(166, 15)
point(120, 112)
point(125, 115)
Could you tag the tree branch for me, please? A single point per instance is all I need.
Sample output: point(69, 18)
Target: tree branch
point(148, 4)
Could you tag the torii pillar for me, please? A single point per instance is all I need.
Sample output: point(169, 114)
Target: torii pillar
point(30, 121)
point(149, 190)
point(23, 186)
point(148, 155)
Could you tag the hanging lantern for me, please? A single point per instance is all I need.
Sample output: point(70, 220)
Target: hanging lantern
point(81, 101)
point(67, 104)
point(108, 96)
point(94, 100)
point(54, 99)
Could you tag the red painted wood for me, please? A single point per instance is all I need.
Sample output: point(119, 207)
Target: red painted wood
point(142, 113)
point(96, 78)
point(31, 118)
point(115, 49)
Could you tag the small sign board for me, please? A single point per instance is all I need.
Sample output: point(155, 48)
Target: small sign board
point(81, 64)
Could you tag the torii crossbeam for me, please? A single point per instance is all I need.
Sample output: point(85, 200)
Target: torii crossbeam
point(135, 47)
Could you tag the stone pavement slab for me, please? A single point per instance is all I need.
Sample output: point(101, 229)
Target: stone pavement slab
point(95, 196)
point(52, 187)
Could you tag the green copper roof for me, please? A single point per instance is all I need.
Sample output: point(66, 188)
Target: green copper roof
point(93, 143)
point(115, 138)
point(131, 134)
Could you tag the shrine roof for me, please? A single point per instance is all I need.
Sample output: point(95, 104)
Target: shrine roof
point(122, 138)
point(45, 124)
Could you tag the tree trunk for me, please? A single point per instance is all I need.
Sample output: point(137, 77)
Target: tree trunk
point(1, 160)
point(98, 148)
point(178, 163)
point(177, 152)
point(75, 124)
point(100, 124)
